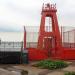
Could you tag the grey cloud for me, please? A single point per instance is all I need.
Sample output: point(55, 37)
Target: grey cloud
point(66, 12)
point(30, 13)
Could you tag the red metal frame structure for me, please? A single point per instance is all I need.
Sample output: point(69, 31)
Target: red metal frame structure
point(46, 39)
point(49, 43)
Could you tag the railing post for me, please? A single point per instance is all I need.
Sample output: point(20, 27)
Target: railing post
point(74, 38)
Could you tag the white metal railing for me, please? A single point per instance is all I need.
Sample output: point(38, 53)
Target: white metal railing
point(16, 46)
point(10, 46)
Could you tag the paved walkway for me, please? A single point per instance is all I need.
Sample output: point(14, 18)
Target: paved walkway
point(6, 72)
point(56, 73)
point(17, 69)
point(32, 70)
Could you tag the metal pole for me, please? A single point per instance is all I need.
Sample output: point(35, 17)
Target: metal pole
point(61, 35)
point(68, 38)
point(24, 38)
point(74, 38)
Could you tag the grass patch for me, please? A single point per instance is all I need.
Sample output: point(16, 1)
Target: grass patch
point(50, 64)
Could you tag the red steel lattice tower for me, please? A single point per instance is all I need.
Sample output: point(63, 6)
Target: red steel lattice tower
point(52, 39)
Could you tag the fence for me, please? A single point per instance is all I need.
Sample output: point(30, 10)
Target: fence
point(68, 37)
point(67, 32)
point(15, 46)
point(10, 46)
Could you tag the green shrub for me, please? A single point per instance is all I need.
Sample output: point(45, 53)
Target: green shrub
point(69, 73)
point(50, 64)
point(61, 64)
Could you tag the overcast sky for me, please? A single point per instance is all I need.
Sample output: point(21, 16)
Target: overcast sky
point(14, 14)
